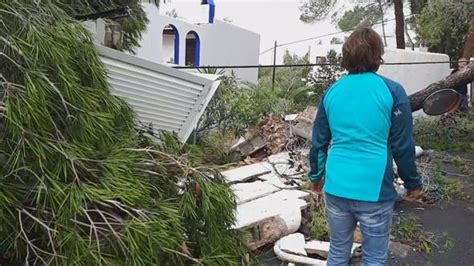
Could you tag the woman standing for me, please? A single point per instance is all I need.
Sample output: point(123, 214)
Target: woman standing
point(367, 120)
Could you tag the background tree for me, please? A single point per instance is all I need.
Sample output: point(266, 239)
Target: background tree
point(443, 26)
point(359, 16)
point(131, 27)
point(399, 24)
point(314, 10)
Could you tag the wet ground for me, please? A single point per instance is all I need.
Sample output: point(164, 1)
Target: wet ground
point(452, 220)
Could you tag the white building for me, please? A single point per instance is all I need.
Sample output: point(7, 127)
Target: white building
point(413, 77)
point(174, 41)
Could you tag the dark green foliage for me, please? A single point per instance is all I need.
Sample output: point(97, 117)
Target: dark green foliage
point(131, 26)
point(314, 10)
point(360, 16)
point(319, 225)
point(79, 185)
point(364, 14)
point(443, 25)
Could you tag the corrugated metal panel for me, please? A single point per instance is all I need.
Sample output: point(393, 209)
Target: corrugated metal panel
point(168, 98)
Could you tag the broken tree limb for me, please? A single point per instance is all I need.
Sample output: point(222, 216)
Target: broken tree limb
point(452, 81)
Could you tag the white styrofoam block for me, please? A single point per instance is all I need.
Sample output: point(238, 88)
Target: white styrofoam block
point(262, 209)
point(246, 192)
point(246, 172)
point(293, 244)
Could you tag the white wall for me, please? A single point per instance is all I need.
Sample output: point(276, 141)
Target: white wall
point(221, 43)
point(228, 44)
point(414, 77)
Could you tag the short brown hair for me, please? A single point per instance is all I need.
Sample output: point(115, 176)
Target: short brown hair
point(362, 52)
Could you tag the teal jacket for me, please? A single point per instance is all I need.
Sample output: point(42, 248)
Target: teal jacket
point(364, 122)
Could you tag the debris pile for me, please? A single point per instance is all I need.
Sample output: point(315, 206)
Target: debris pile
point(272, 204)
point(274, 135)
point(271, 134)
point(269, 206)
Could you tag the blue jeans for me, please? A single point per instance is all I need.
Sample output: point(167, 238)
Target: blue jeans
point(375, 219)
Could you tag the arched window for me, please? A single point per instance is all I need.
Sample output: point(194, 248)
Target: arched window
point(170, 45)
point(193, 47)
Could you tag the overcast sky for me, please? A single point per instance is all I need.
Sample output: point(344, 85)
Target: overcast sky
point(272, 19)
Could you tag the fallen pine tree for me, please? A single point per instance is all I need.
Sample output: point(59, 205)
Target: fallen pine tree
point(79, 183)
point(452, 81)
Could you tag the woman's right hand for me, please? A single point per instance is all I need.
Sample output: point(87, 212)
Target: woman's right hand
point(317, 186)
point(413, 195)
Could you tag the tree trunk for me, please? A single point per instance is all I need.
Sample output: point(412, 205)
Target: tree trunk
point(383, 22)
point(469, 47)
point(399, 24)
point(455, 80)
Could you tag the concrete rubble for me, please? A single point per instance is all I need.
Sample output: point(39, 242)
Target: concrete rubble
point(269, 193)
point(266, 201)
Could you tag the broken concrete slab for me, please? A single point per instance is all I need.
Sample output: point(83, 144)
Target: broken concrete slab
point(277, 204)
point(253, 213)
point(291, 258)
point(245, 173)
point(246, 192)
point(251, 145)
point(293, 244)
point(275, 228)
